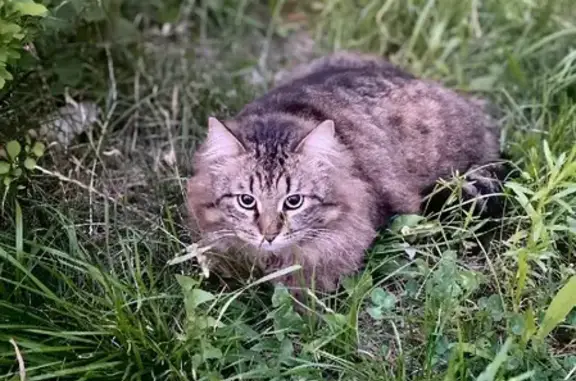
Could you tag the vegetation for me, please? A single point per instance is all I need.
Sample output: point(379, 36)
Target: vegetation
point(86, 288)
point(16, 27)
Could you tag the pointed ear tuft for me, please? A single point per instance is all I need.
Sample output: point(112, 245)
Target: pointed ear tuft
point(220, 141)
point(321, 140)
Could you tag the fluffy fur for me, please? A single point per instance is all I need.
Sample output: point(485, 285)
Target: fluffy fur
point(357, 138)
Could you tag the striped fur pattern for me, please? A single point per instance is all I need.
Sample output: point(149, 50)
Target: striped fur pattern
point(310, 171)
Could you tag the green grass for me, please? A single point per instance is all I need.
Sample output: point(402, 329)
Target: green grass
point(85, 289)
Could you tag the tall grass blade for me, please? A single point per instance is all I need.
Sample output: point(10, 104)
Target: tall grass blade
point(560, 307)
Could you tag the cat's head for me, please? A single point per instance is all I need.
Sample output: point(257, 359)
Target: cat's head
point(268, 183)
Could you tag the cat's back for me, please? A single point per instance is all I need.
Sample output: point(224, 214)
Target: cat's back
point(338, 80)
point(341, 65)
point(377, 106)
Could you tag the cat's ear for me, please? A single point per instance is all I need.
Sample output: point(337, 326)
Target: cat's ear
point(220, 141)
point(321, 140)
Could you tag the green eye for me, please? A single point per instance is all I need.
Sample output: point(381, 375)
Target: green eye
point(294, 201)
point(246, 201)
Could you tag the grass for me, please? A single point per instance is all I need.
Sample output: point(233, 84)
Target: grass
point(86, 291)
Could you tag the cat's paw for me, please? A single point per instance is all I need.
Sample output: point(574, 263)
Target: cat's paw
point(481, 188)
point(484, 185)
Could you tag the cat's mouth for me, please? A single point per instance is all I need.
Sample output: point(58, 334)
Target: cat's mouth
point(273, 246)
point(282, 242)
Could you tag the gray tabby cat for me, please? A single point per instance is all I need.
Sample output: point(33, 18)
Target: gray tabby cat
point(310, 171)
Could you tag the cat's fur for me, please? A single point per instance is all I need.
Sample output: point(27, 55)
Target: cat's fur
point(358, 137)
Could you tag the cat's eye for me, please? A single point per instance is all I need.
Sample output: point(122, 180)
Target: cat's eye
point(293, 202)
point(246, 201)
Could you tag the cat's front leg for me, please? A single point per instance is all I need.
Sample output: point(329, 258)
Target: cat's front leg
point(321, 269)
point(484, 185)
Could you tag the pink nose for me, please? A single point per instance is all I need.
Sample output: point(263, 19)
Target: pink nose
point(270, 237)
point(269, 226)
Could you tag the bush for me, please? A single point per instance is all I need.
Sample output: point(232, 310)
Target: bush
point(17, 24)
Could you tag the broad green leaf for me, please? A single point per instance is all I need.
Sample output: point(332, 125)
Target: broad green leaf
point(187, 283)
point(336, 322)
point(3, 72)
point(475, 350)
point(286, 349)
point(559, 308)
point(13, 148)
point(357, 284)
point(384, 350)
point(30, 164)
point(406, 220)
point(30, 8)
point(529, 325)
point(375, 312)
point(571, 320)
point(17, 172)
point(6, 74)
point(13, 54)
point(378, 296)
point(493, 305)
point(383, 299)
point(517, 324)
point(8, 28)
point(211, 352)
point(4, 167)
point(281, 296)
point(198, 296)
point(201, 323)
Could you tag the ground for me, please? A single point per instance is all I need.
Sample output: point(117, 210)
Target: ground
point(87, 290)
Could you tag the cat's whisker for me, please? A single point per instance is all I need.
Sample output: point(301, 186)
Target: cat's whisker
point(212, 237)
point(330, 234)
point(358, 220)
point(331, 241)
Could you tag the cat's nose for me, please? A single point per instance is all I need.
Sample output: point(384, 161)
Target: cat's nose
point(269, 226)
point(270, 237)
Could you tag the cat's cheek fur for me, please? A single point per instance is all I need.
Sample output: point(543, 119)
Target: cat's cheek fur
point(331, 214)
point(199, 204)
point(211, 216)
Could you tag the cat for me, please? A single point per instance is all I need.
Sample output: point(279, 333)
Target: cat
point(308, 173)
